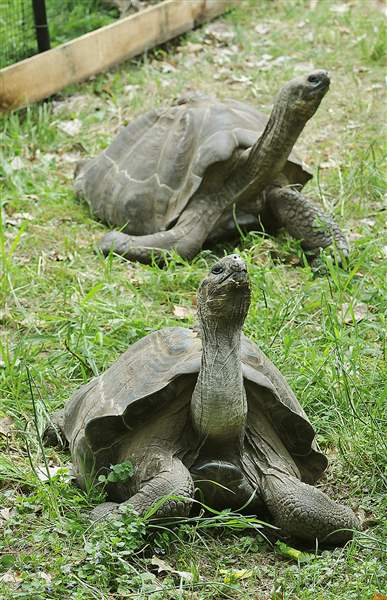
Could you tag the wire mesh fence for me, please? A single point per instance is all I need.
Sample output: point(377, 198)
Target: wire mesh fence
point(66, 19)
point(17, 31)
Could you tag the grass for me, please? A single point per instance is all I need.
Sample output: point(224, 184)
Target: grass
point(66, 313)
point(67, 19)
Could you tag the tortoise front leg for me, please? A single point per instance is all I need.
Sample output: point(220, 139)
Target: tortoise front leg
point(304, 221)
point(304, 512)
point(145, 248)
point(175, 480)
point(186, 237)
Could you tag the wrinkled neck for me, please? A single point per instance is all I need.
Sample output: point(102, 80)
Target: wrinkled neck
point(269, 154)
point(219, 401)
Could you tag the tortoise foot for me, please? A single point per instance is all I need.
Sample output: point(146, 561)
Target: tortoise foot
point(317, 259)
point(114, 241)
point(178, 507)
point(305, 513)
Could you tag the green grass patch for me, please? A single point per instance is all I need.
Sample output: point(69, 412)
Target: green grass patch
point(66, 313)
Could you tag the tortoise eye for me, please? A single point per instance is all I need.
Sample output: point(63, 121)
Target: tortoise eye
point(217, 269)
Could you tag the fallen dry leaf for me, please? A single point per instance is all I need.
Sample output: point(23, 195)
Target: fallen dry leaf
point(191, 47)
point(353, 313)
point(329, 164)
point(6, 426)
point(71, 128)
point(75, 102)
point(54, 255)
point(220, 33)
point(16, 163)
point(46, 576)
point(10, 577)
point(70, 157)
point(6, 513)
point(339, 9)
point(183, 312)
point(134, 275)
point(353, 236)
point(241, 79)
point(367, 221)
point(47, 157)
point(65, 473)
point(262, 29)
point(166, 67)
point(17, 219)
point(164, 567)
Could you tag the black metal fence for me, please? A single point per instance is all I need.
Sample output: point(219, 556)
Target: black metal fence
point(27, 25)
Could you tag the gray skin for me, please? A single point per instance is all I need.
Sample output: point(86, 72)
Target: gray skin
point(195, 173)
point(189, 408)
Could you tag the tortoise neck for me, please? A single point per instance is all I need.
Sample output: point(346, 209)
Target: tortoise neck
point(219, 405)
point(269, 154)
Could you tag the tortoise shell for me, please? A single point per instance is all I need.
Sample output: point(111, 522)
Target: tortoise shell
point(148, 174)
point(102, 413)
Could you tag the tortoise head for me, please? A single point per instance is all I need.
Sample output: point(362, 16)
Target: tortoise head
point(224, 295)
point(303, 95)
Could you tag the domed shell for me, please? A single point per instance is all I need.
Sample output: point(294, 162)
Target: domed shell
point(105, 409)
point(157, 162)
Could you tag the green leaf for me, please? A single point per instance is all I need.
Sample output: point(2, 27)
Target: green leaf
point(292, 553)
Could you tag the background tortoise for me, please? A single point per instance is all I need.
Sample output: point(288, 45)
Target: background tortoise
point(188, 409)
point(172, 176)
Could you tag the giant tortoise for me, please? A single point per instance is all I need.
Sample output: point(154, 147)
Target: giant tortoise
point(204, 409)
point(197, 172)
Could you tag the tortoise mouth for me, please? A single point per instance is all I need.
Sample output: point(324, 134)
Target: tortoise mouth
point(323, 85)
point(236, 278)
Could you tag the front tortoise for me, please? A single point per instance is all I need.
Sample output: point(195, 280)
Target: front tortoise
point(198, 172)
point(204, 409)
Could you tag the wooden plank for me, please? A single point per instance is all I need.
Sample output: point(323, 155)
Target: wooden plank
point(40, 76)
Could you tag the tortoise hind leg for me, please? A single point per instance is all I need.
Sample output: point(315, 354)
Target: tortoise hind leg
point(173, 480)
point(304, 512)
point(304, 221)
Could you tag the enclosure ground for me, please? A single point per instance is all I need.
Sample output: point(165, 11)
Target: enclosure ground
point(67, 313)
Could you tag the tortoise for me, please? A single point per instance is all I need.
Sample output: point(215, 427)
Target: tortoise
point(202, 170)
point(203, 408)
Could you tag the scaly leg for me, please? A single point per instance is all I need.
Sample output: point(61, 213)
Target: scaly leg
point(304, 221)
point(186, 237)
point(304, 512)
point(175, 480)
